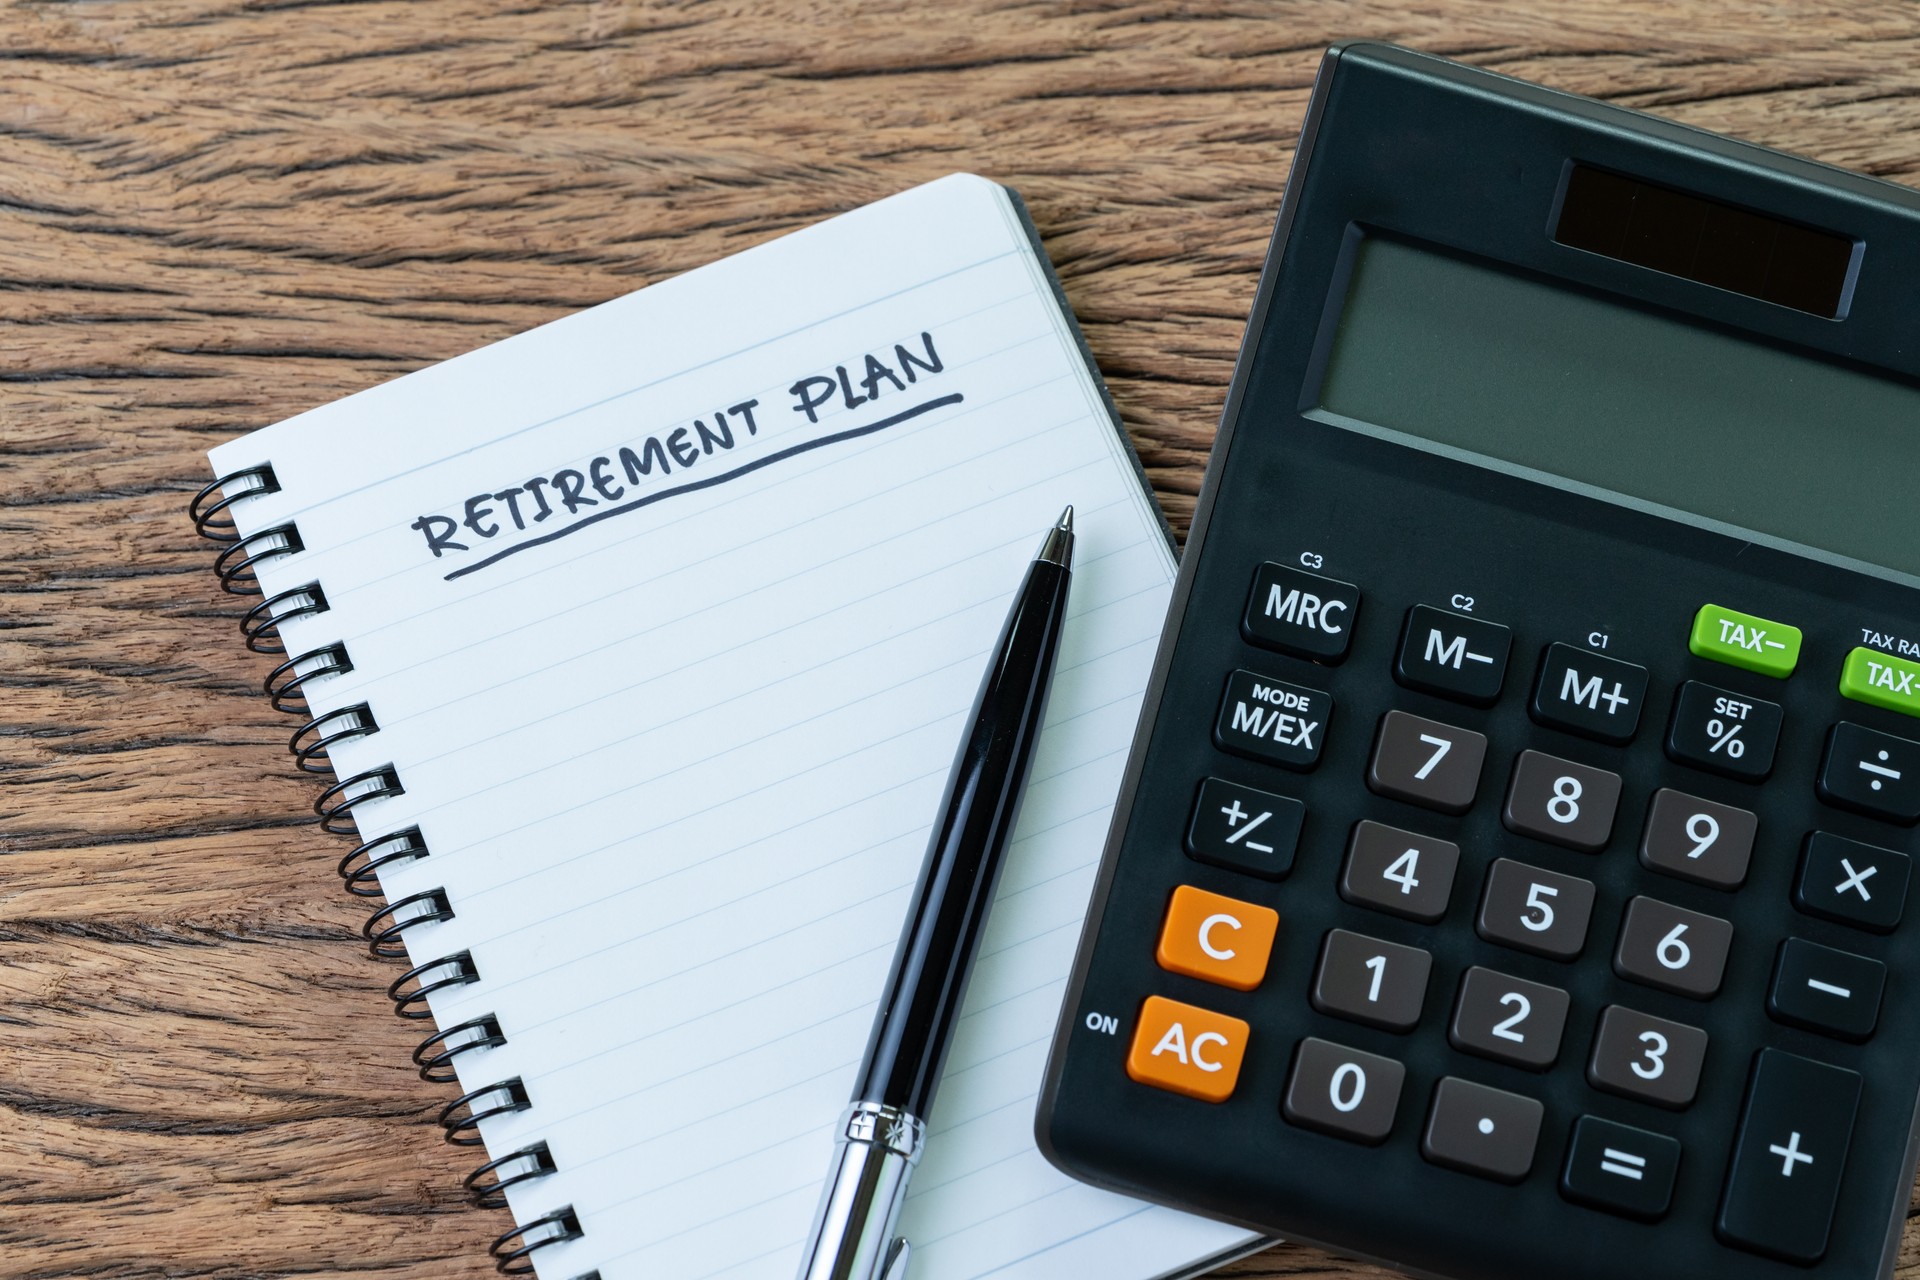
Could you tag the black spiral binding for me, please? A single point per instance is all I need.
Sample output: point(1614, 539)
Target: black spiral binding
point(261, 627)
point(338, 810)
point(513, 1252)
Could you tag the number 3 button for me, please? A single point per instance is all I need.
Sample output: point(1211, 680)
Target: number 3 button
point(1640, 1056)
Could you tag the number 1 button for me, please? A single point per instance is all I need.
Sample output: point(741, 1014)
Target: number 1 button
point(1426, 763)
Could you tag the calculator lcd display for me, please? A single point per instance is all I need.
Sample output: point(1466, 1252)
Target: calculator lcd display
point(1633, 402)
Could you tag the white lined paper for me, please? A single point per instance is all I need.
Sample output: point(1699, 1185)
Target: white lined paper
point(676, 767)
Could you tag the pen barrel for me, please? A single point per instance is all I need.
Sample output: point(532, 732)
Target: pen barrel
point(921, 1000)
point(854, 1228)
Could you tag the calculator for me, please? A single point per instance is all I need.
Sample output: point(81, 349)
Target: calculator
point(1512, 875)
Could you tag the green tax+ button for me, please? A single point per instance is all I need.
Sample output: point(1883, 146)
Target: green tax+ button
point(1742, 640)
point(1881, 680)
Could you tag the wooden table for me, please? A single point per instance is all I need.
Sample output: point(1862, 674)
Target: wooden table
point(214, 213)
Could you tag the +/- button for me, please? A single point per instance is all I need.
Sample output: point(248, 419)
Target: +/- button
point(1881, 680)
point(1301, 613)
point(1742, 640)
point(1872, 773)
point(1241, 829)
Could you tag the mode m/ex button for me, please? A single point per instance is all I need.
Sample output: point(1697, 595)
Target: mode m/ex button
point(1271, 720)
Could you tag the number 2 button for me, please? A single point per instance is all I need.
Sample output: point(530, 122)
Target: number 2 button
point(1426, 763)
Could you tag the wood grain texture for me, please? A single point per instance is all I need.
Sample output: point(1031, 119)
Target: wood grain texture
point(215, 213)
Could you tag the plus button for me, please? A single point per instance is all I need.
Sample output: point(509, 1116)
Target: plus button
point(1790, 1155)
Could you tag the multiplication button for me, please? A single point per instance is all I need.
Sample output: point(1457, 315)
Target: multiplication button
point(1245, 830)
point(1724, 732)
point(1853, 883)
point(1271, 720)
point(1301, 613)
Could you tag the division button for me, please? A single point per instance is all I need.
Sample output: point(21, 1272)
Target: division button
point(1872, 773)
point(1582, 692)
point(1508, 1019)
point(1482, 1131)
point(1788, 1157)
point(1362, 979)
point(1699, 840)
point(1881, 680)
point(1426, 763)
point(1452, 655)
point(1400, 872)
point(1187, 1050)
point(1534, 910)
point(1724, 732)
point(1301, 613)
point(1673, 949)
point(1833, 992)
point(1742, 640)
point(1561, 801)
point(1853, 883)
point(1620, 1169)
point(1343, 1092)
point(1241, 829)
point(1271, 720)
point(1637, 1055)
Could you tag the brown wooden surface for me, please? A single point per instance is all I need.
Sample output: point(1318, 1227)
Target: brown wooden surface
point(215, 213)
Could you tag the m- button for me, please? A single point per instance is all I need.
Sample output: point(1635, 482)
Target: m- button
point(1584, 693)
point(1452, 655)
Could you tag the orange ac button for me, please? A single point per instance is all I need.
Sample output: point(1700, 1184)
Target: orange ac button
point(1217, 939)
point(1187, 1049)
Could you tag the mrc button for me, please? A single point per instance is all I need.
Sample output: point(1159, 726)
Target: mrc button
point(1301, 613)
point(1271, 720)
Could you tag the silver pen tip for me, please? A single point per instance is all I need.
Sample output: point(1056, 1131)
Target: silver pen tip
point(1057, 546)
point(1066, 519)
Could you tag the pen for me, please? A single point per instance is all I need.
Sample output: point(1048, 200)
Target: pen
point(882, 1132)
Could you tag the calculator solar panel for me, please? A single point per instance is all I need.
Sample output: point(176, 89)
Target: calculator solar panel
point(1512, 874)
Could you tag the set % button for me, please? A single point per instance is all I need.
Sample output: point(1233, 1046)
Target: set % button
point(1724, 732)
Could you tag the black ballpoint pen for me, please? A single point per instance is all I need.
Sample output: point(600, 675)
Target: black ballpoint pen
point(881, 1134)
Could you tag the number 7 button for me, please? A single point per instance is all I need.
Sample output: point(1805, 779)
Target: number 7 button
point(1426, 763)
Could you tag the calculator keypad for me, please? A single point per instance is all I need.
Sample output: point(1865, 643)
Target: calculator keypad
point(1672, 948)
point(1426, 763)
point(1561, 801)
point(1532, 909)
point(1425, 820)
point(1365, 980)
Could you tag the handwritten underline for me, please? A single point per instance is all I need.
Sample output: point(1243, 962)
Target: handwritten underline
point(694, 486)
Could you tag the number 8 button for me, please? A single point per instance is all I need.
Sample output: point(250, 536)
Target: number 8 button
point(1562, 802)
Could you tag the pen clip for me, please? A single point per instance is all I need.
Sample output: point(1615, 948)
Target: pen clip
point(896, 1266)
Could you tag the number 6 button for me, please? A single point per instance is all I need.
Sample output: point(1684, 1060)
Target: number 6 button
point(1672, 948)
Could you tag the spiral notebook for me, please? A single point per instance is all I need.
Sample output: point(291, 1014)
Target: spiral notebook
point(637, 647)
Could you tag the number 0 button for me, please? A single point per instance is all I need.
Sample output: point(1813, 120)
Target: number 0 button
point(1426, 763)
point(1343, 1092)
point(1671, 948)
point(1562, 802)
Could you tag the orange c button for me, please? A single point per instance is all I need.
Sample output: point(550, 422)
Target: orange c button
point(1217, 939)
point(1187, 1049)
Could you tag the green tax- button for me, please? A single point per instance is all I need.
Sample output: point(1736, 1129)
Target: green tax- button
point(1882, 680)
point(1742, 640)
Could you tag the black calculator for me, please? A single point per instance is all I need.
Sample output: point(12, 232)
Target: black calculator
point(1512, 875)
